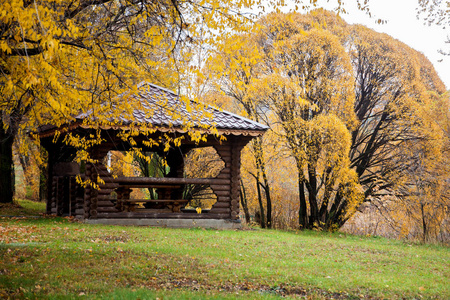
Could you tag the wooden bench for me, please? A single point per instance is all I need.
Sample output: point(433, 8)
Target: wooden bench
point(166, 186)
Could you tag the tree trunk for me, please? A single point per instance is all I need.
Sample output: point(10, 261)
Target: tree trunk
point(261, 207)
point(268, 199)
point(6, 166)
point(333, 215)
point(312, 193)
point(302, 212)
point(43, 179)
point(260, 164)
point(244, 203)
point(7, 137)
point(339, 219)
point(424, 224)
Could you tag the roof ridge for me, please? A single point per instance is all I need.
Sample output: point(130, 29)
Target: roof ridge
point(240, 117)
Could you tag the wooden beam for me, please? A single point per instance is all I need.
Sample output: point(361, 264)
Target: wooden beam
point(104, 203)
point(221, 205)
point(222, 193)
point(131, 181)
point(220, 187)
point(155, 200)
point(223, 176)
point(225, 210)
point(101, 210)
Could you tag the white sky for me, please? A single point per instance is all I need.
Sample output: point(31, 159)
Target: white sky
point(403, 25)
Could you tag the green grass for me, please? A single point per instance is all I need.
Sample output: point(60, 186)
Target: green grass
point(22, 207)
point(58, 259)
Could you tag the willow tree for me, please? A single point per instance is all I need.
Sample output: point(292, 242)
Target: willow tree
point(302, 82)
point(307, 85)
point(393, 85)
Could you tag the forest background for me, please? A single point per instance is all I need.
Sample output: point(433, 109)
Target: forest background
point(359, 122)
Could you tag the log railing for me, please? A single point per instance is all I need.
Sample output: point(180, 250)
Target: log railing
point(157, 182)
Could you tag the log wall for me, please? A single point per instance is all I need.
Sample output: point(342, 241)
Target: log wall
point(223, 191)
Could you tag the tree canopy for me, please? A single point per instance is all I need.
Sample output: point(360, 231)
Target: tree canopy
point(346, 101)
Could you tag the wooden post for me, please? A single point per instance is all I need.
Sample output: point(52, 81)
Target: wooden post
point(79, 206)
point(73, 194)
point(53, 196)
point(87, 192)
point(50, 191)
point(235, 177)
point(94, 192)
point(59, 195)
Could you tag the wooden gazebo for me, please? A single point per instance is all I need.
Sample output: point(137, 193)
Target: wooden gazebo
point(107, 199)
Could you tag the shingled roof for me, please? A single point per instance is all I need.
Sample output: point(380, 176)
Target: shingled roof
point(164, 109)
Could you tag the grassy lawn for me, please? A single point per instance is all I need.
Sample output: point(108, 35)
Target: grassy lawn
point(59, 258)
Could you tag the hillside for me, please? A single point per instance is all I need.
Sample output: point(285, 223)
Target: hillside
point(56, 257)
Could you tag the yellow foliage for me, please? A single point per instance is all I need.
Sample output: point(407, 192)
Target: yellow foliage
point(298, 79)
point(60, 58)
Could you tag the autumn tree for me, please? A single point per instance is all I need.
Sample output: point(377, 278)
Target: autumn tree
point(304, 79)
point(346, 100)
point(62, 58)
point(309, 89)
point(422, 199)
point(233, 68)
point(392, 86)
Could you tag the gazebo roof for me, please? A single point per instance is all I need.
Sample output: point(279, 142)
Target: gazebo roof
point(165, 110)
